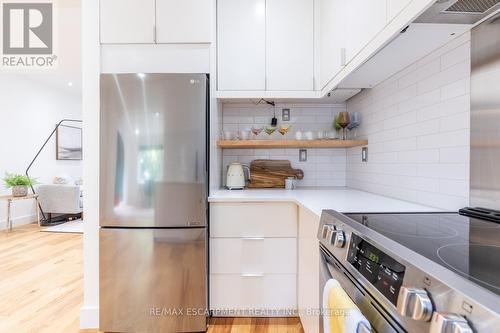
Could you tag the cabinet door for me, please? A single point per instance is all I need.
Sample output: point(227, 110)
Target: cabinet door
point(186, 21)
point(241, 30)
point(331, 39)
point(127, 21)
point(237, 294)
point(253, 219)
point(253, 255)
point(308, 270)
point(364, 20)
point(289, 44)
point(394, 7)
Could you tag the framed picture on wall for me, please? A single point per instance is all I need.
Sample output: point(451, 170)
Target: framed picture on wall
point(68, 143)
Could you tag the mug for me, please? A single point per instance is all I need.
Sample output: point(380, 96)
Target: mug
point(227, 135)
point(290, 183)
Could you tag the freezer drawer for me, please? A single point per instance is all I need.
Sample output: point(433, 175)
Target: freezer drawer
point(152, 280)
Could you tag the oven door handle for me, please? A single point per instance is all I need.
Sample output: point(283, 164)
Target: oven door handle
point(328, 267)
point(333, 270)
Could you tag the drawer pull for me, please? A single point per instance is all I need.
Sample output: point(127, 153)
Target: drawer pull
point(249, 275)
point(252, 238)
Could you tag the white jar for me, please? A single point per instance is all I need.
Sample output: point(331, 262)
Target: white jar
point(245, 135)
point(298, 135)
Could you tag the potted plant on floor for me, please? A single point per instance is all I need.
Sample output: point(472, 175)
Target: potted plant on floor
point(18, 183)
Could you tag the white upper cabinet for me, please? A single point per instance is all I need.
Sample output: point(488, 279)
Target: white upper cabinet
point(289, 45)
point(394, 7)
point(241, 44)
point(186, 21)
point(155, 21)
point(331, 39)
point(364, 19)
point(265, 45)
point(127, 21)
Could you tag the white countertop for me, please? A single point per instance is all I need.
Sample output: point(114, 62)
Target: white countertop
point(341, 199)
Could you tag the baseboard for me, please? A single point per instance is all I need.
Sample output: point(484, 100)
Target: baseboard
point(89, 317)
point(19, 220)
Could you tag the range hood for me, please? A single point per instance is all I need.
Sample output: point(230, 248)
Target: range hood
point(458, 11)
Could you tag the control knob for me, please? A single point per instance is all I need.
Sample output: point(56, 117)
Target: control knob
point(339, 240)
point(414, 303)
point(327, 231)
point(449, 323)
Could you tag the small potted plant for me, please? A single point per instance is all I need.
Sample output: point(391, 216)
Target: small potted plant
point(18, 183)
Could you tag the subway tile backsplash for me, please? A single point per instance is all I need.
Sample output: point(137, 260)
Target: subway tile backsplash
point(417, 124)
point(324, 167)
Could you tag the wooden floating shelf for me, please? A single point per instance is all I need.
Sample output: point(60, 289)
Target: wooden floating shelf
point(243, 144)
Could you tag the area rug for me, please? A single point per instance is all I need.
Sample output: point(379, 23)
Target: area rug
point(71, 227)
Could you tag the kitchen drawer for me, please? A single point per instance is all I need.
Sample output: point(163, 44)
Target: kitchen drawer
point(237, 292)
point(253, 255)
point(253, 219)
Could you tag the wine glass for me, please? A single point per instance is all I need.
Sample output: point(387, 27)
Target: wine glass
point(344, 120)
point(336, 125)
point(355, 122)
point(257, 131)
point(270, 130)
point(284, 129)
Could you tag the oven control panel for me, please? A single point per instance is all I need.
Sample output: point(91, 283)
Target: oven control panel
point(383, 272)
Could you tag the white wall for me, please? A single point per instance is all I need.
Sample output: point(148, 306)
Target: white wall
point(324, 167)
point(89, 313)
point(417, 124)
point(31, 103)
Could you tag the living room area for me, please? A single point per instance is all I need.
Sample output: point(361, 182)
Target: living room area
point(41, 187)
point(41, 135)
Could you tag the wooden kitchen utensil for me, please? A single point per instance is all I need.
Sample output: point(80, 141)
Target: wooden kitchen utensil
point(272, 173)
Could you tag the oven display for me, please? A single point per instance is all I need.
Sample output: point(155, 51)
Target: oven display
point(383, 272)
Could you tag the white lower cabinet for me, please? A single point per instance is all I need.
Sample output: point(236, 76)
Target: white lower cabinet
point(253, 259)
point(231, 219)
point(251, 295)
point(308, 272)
point(255, 256)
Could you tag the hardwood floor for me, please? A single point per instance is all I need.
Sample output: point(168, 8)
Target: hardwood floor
point(41, 280)
point(41, 287)
point(255, 325)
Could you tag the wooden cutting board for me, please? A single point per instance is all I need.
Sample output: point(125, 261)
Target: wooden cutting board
point(272, 173)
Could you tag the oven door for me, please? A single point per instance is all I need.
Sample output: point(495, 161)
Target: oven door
point(330, 268)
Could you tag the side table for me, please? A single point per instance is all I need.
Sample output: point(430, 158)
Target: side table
point(10, 199)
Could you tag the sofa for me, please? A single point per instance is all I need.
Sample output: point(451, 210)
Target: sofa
point(60, 198)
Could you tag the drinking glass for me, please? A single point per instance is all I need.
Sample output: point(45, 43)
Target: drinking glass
point(343, 121)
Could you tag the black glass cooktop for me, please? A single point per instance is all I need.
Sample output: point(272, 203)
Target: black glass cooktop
point(466, 245)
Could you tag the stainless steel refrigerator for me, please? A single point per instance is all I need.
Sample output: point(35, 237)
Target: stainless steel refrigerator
point(153, 202)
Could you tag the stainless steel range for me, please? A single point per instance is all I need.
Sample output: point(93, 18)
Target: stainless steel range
point(416, 272)
point(432, 272)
